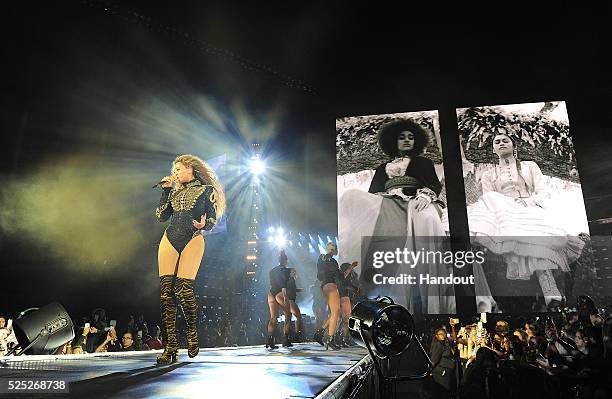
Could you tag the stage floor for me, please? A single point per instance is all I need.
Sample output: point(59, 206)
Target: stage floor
point(302, 371)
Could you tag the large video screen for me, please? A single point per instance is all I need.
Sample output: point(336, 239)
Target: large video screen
point(524, 205)
point(391, 208)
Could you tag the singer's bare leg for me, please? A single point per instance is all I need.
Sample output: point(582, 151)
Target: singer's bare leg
point(191, 258)
point(166, 257)
point(190, 261)
point(179, 290)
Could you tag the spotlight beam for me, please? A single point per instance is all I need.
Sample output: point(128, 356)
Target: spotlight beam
point(257, 166)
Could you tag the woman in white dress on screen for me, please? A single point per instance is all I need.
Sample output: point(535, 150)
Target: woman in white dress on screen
point(513, 219)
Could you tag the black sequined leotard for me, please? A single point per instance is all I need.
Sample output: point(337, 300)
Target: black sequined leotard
point(184, 205)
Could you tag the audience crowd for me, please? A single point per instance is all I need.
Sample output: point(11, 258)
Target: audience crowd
point(99, 333)
point(564, 354)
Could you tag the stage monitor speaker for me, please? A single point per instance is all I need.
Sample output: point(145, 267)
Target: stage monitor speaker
point(386, 330)
point(388, 327)
point(42, 331)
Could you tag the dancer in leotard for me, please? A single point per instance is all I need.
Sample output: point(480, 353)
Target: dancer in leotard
point(328, 273)
point(347, 283)
point(292, 291)
point(277, 296)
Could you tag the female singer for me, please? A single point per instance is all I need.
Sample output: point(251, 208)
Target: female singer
point(195, 203)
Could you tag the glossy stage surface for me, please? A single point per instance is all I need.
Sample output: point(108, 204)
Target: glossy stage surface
point(302, 371)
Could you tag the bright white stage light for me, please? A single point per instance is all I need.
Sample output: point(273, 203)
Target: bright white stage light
point(271, 229)
point(257, 166)
point(280, 231)
point(280, 241)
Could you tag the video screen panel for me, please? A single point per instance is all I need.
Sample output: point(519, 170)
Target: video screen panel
point(524, 204)
point(391, 207)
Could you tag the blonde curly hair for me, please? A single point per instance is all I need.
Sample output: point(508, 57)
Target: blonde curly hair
point(203, 172)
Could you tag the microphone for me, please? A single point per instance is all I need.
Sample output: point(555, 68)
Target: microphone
point(160, 183)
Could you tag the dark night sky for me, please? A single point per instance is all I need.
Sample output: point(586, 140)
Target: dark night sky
point(75, 65)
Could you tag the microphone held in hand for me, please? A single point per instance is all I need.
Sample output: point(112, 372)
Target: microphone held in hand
point(162, 181)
